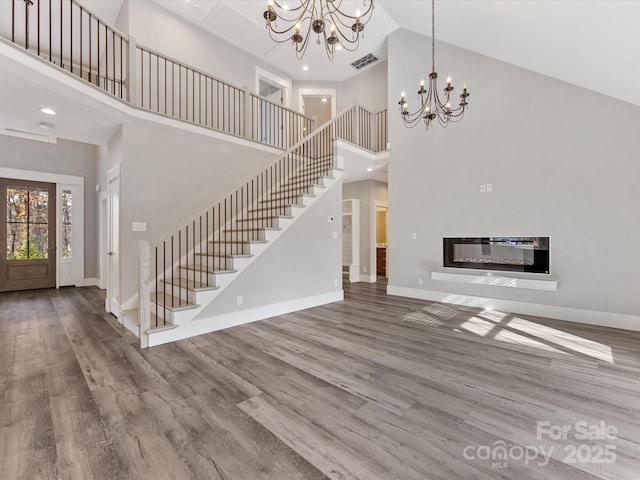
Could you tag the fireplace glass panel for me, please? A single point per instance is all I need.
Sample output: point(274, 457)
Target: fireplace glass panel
point(515, 254)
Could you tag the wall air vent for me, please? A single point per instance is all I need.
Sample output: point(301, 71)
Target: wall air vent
point(364, 61)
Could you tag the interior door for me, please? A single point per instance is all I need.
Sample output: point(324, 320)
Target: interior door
point(113, 294)
point(29, 232)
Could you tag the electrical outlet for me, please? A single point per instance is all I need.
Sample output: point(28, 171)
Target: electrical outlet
point(414, 235)
point(421, 281)
point(365, 269)
point(239, 300)
point(489, 187)
point(335, 235)
point(335, 283)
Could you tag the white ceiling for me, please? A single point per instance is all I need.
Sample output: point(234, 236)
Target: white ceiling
point(591, 43)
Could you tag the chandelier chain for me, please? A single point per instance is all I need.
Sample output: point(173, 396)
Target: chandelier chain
point(433, 35)
point(433, 106)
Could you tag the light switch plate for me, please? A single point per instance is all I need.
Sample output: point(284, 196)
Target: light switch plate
point(139, 227)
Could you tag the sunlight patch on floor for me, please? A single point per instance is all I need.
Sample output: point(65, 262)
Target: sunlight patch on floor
point(422, 318)
point(564, 339)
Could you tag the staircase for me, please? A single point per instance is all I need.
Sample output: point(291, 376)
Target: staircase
point(185, 272)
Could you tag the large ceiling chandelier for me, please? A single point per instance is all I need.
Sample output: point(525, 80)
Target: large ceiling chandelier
point(296, 23)
point(432, 106)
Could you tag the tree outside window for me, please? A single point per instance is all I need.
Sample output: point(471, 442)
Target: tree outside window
point(27, 222)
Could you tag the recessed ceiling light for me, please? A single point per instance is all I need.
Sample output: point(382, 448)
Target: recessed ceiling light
point(48, 111)
point(46, 126)
point(338, 47)
point(196, 5)
point(305, 68)
point(324, 100)
point(369, 169)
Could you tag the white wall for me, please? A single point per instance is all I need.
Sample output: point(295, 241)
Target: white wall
point(367, 88)
point(563, 162)
point(304, 262)
point(67, 158)
point(368, 192)
point(157, 28)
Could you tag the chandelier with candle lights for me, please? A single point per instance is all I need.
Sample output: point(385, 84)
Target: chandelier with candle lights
point(333, 26)
point(433, 106)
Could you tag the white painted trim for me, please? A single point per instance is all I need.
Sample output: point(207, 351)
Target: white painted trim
point(368, 278)
point(287, 83)
point(317, 92)
point(28, 136)
point(369, 155)
point(492, 280)
point(92, 282)
point(36, 176)
point(590, 317)
point(130, 325)
point(233, 319)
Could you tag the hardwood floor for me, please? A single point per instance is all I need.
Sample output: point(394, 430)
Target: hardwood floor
point(374, 387)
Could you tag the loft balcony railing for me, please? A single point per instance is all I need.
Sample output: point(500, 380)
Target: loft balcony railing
point(73, 38)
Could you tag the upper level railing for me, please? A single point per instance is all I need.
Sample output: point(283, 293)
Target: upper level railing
point(72, 37)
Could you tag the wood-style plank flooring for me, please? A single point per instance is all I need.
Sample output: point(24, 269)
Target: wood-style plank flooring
point(375, 387)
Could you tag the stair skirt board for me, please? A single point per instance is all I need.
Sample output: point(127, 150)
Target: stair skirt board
point(234, 319)
point(186, 324)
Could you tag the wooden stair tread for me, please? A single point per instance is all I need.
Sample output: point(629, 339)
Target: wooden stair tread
point(276, 207)
point(134, 315)
point(224, 255)
point(166, 301)
point(236, 242)
point(189, 284)
point(257, 229)
point(204, 269)
point(269, 217)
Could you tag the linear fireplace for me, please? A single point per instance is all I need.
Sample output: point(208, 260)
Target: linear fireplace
point(513, 254)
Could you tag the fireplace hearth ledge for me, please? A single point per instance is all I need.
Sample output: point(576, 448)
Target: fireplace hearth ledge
point(493, 280)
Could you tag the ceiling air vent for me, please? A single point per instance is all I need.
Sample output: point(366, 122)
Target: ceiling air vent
point(364, 61)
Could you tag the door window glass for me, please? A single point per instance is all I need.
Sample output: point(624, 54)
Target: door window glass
point(66, 223)
point(27, 222)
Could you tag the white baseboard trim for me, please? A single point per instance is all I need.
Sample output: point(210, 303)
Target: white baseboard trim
point(228, 320)
point(590, 317)
point(92, 282)
point(130, 325)
point(368, 278)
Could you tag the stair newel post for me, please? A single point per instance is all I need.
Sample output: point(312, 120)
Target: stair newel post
point(130, 81)
point(144, 300)
point(246, 112)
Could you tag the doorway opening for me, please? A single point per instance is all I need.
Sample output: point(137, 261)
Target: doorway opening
point(380, 228)
point(317, 103)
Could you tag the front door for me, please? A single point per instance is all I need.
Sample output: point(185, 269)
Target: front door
point(28, 228)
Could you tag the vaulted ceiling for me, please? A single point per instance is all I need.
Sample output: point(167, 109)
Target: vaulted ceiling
point(590, 43)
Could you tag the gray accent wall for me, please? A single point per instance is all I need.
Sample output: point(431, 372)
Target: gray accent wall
point(66, 158)
point(563, 162)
